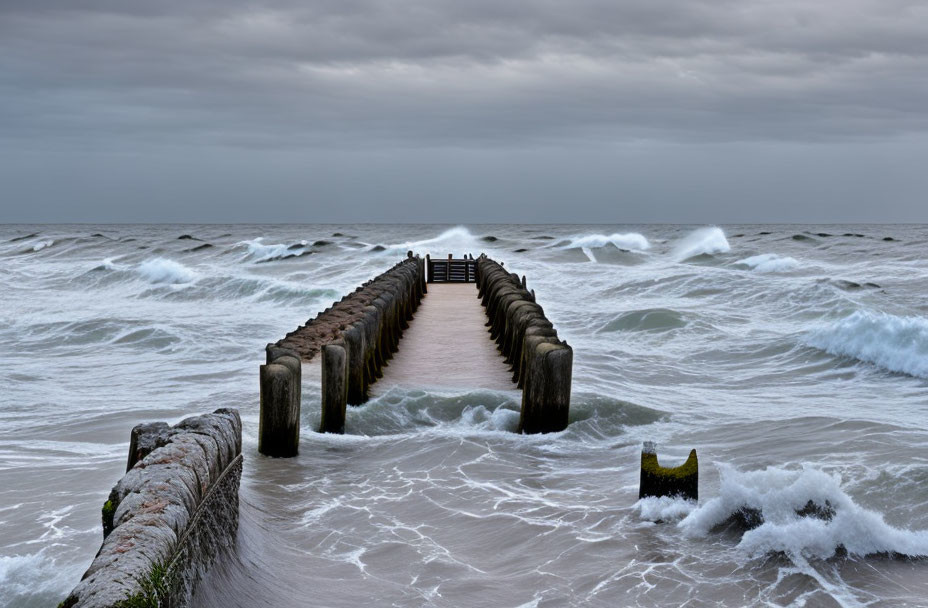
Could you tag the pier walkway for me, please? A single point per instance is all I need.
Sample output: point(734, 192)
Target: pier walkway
point(447, 345)
point(423, 324)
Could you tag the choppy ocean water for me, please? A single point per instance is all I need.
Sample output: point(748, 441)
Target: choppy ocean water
point(793, 358)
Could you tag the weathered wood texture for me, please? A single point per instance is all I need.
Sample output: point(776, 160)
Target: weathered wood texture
point(447, 345)
point(541, 363)
point(365, 326)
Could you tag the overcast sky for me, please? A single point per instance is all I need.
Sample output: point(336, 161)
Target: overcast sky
point(612, 111)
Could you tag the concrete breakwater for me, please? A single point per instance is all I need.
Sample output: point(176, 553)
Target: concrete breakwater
point(172, 514)
point(356, 336)
point(542, 364)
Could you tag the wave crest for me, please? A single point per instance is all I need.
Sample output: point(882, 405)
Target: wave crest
point(769, 262)
point(778, 501)
point(703, 241)
point(162, 271)
point(898, 344)
point(630, 240)
point(458, 241)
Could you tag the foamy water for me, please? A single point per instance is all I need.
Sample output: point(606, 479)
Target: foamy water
point(793, 358)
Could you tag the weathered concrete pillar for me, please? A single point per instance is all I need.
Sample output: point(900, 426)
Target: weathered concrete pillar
point(681, 481)
point(334, 388)
point(279, 419)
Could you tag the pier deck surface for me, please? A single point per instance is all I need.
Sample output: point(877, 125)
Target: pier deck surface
point(447, 345)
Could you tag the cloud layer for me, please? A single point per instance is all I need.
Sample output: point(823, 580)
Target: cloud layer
point(692, 110)
point(463, 73)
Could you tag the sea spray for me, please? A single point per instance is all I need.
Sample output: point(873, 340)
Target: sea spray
point(896, 343)
point(703, 241)
point(456, 241)
point(162, 271)
point(257, 251)
point(800, 513)
point(632, 241)
point(769, 262)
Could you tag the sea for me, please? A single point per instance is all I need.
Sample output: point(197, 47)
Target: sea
point(793, 358)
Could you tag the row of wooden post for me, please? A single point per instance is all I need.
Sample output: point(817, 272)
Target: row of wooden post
point(350, 363)
point(542, 364)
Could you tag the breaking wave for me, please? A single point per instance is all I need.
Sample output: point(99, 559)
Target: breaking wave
point(259, 252)
point(803, 514)
point(457, 241)
point(162, 271)
point(703, 241)
point(629, 240)
point(898, 344)
point(769, 262)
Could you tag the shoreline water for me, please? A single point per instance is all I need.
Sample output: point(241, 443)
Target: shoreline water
point(754, 364)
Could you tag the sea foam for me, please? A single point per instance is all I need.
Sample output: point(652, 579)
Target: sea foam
point(898, 344)
point(456, 241)
point(259, 252)
point(629, 240)
point(162, 271)
point(776, 496)
point(703, 241)
point(769, 262)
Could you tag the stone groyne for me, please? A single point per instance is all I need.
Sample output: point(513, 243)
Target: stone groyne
point(542, 364)
point(356, 336)
point(172, 514)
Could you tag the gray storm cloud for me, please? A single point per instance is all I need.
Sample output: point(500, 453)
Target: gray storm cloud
point(350, 89)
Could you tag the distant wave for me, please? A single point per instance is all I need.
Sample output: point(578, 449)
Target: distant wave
point(162, 271)
point(769, 262)
point(630, 240)
point(898, 344)
point(703, 241)
point(651, 319)
point(259, 252)
point(457, 241)
point(43, 245)
point(768, 501)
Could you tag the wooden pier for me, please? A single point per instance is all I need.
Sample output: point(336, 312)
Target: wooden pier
point(425, 323)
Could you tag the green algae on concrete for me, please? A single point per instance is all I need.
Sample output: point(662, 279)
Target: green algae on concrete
point(657, 481)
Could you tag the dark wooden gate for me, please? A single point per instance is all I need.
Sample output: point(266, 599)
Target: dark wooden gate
point(463, 270)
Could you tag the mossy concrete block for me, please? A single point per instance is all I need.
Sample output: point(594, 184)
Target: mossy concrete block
point(166, 497)
point(657, 481)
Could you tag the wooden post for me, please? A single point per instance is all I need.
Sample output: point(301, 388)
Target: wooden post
point(546, 395)
point(279, 419)
point(334, 388)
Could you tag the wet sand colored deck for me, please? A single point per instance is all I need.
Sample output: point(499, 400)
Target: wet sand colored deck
point(447, 345)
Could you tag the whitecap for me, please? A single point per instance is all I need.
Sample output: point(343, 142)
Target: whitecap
point(895, 343)
point(43, 245)
point(630, 240)
point(162, 271)
point(456, 241)
point(769, 262)
point(703, 241)
point(779, 499)
point(259, 252)
point(664, 508)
